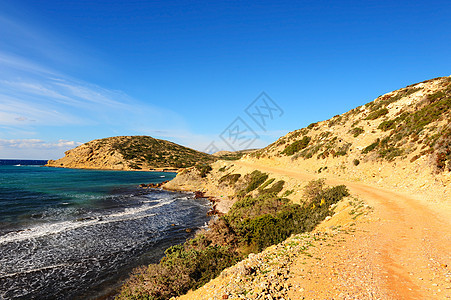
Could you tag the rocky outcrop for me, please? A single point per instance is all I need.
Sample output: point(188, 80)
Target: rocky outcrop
point(92, 155)
point(152, 185)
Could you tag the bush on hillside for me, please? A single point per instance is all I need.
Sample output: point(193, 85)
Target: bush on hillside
point(377, 114)
point(297, 146)
point(256, 178)
point(204, 170)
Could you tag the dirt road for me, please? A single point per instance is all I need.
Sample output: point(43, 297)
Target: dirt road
point(403, 252)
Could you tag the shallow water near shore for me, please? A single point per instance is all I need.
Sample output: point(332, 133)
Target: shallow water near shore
point(74, 234)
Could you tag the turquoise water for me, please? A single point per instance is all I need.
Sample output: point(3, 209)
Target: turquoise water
point(68, 233)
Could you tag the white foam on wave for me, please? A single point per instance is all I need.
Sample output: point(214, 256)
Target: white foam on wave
point(35, 270)
point(54, 228)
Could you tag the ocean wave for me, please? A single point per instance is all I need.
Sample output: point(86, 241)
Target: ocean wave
point(128, 214)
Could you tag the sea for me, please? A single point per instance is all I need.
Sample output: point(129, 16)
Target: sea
point(77, 234)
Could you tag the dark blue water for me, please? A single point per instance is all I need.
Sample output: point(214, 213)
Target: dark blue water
point(72, 234)
point(16, 162)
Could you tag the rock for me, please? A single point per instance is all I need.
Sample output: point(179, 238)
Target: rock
point(199, 194)
point(152, 185)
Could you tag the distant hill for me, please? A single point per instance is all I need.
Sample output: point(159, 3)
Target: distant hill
point(232, 155)
point(131, 153)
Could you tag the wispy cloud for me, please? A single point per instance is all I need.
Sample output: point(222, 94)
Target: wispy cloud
point(37, 143)
point(39, 102)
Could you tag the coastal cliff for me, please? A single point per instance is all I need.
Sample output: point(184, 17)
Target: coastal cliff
point(131, 153)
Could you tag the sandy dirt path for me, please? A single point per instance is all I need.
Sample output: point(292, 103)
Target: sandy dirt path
point(404, 252)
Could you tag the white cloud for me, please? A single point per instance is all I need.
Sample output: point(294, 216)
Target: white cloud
point(14, 111)
point(36, 143)
point(34, 148)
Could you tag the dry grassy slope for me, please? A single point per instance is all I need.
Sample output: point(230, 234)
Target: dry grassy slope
point(130, 153)
point(216, 186)
point(400, 140)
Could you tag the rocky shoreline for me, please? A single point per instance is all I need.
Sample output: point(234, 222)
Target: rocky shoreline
point(197, 195)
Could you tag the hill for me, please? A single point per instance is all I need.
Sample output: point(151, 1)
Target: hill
point(131, 153)
point(402, 134)
point(232, 155)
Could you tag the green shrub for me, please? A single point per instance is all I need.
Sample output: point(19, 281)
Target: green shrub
point(256, 179)
point(377, 114)
point(229, 179)
point(371, 147)
point(356, 162)
point(287, 193)
point(204, 170)
point(266, 220)
point(275, 188)
point(268, 182)
point(183, 268)
point(386, 125)
point(312, 125)
point(356, 131)
point(390, 153)
point(343, 150)
point(297, 146)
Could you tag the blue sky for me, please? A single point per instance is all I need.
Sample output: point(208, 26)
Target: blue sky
point(73, 71)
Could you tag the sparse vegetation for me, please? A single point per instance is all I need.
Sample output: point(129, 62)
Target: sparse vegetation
point(274, 189)
point(229, 179)
point(377, 114)
point(384, 101)
point(267, 182)
point(312, 125)
point(343, 150)
point(139, 150)
point(203, 170)
point(235, 155)
point(256, 178)
point(386, 125)
point(251, 225)
point(390, 153)
point(356, 131)
point(297, 146)
point(371, 147)
point(335, 120)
